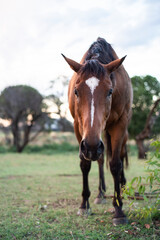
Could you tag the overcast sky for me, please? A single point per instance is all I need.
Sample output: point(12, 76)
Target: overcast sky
point(33, 34)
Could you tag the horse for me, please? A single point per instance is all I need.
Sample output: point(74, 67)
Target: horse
point(100, 99)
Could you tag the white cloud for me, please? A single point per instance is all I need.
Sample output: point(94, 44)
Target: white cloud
point(145, 60)
point(33, 33)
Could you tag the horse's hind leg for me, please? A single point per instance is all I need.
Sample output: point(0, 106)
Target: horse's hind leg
point(124, 156)
point(85, 207)
point(122, 175)
point(117, 136)
point(100, 199)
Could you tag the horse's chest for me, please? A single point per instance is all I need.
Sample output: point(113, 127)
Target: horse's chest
point(114, 116)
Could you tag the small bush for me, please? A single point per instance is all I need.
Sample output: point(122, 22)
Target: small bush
point(150, 209)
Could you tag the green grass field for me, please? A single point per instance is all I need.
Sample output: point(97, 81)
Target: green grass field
point(40, 196)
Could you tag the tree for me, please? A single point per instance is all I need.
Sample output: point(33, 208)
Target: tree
point(146, 132)
point(22, 106)
point(146, 90)
point(59, 87)
point(57, 101)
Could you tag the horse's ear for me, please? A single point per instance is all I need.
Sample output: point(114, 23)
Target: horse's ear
point(73, 64)
point(112, 66)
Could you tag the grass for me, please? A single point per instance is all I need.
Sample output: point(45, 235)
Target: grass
point(40, 196)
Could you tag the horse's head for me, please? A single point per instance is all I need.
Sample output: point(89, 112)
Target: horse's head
point(93, 95)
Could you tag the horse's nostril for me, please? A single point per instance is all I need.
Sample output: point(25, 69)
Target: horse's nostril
point(89, 154)
point(91, 151)
point(83, 146)
point(100, 148)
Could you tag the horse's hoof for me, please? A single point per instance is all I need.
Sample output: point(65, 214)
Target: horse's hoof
point(100, 201)
point(84, 212)
point(121, 220)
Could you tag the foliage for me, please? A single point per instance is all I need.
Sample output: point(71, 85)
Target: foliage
point(145, 91)
point(20, 98)
point(22, 106)
point(151, 206)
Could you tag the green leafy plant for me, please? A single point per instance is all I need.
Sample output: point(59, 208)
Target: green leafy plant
point(138, 185)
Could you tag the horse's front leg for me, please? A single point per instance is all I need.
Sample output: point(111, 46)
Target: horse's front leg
point(100, 199)
point(85, 168)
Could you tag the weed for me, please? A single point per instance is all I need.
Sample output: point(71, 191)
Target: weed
point(150, 209)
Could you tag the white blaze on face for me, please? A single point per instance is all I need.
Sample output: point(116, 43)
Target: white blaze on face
point(92, 83)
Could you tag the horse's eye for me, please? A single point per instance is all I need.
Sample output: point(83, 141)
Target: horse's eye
point(110, 92)
point(76, 92)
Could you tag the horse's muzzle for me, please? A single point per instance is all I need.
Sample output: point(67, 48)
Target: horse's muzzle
point(91, 152)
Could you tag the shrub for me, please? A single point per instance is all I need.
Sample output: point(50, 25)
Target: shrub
point(150, 209)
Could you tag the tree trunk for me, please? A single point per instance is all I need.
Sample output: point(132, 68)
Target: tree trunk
point(141, 149)
point(15, 133)
point(146, 131)
point(20, 140)
point(26, 138)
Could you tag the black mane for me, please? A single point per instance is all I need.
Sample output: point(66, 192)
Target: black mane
point(99, 52)
point(92, 67)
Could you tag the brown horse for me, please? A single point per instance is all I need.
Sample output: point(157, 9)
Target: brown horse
point(100, 99)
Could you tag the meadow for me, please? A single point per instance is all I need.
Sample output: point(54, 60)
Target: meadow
point(41, 193)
